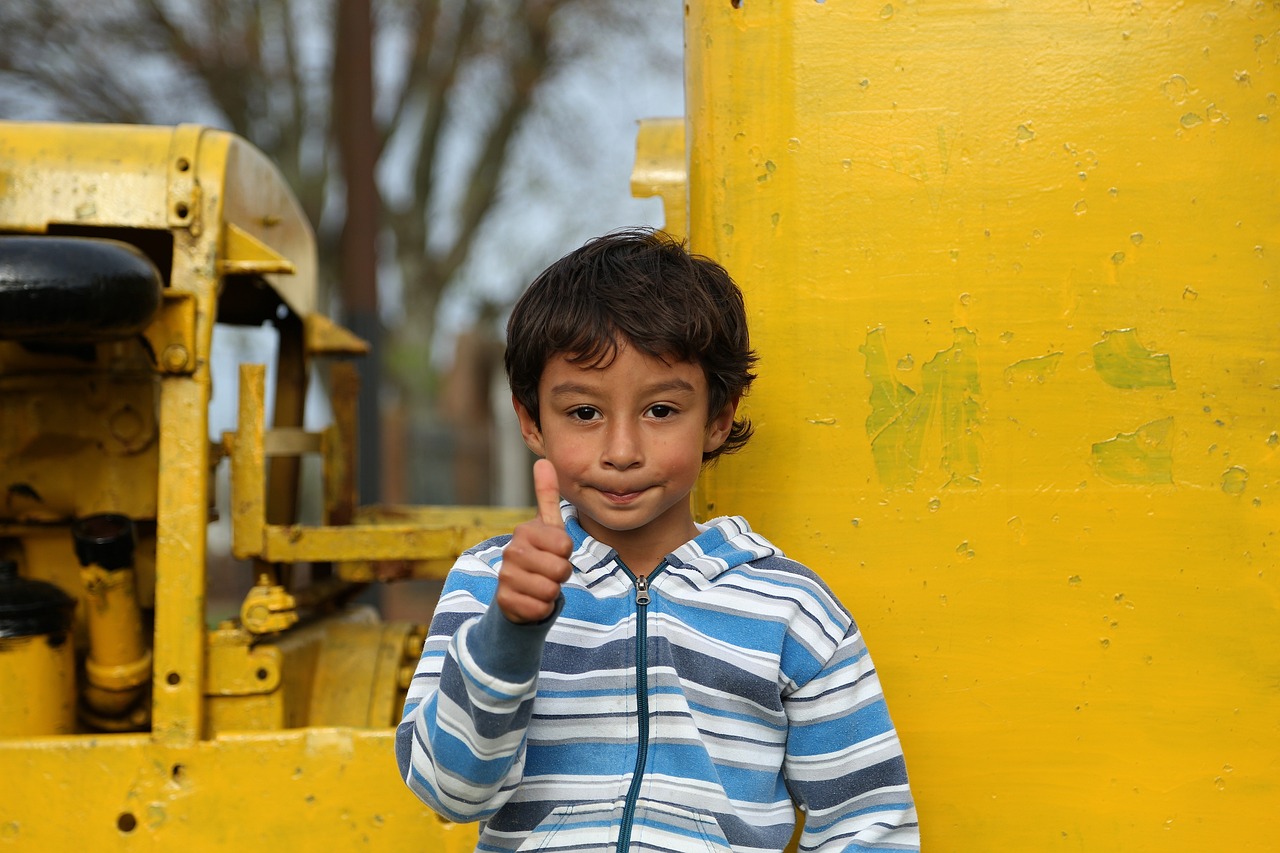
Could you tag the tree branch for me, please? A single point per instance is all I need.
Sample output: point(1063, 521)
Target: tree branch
point(526, 73)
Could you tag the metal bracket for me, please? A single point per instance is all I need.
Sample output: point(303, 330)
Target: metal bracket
point(182, 202)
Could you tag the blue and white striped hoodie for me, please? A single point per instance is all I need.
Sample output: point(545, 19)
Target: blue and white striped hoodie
point(682, 712)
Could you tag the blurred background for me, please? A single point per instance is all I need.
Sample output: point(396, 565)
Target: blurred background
point(445, 151)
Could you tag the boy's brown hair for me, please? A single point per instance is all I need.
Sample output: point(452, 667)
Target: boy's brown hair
point(642, 288)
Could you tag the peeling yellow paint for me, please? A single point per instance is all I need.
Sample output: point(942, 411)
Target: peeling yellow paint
point(1121, 360)
point(900, 419)
point(1141, 457)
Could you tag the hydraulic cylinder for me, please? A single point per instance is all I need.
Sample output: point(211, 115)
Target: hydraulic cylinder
point(118, 667)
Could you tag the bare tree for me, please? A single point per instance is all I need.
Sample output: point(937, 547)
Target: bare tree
point(455, 81)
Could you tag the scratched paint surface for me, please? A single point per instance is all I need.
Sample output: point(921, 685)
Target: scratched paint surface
point(1012, 269)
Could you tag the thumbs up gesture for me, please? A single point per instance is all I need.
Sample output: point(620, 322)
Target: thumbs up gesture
point(535, 562)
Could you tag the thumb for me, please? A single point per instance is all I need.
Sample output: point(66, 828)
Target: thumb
point(546, 489)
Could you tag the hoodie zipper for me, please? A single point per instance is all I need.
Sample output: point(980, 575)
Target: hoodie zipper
point(642, 704)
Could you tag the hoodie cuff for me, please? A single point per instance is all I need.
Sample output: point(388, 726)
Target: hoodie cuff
point(506, 650)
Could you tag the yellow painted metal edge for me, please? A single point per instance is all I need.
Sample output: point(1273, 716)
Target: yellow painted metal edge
point(661, 170)
point(240, 791)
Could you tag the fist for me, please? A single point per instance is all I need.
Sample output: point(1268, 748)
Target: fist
point(535, 562)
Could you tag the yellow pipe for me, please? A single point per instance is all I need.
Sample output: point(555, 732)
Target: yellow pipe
point(42, 673)
point(119, 663)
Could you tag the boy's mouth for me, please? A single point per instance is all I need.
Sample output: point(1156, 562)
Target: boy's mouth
point(620, 498)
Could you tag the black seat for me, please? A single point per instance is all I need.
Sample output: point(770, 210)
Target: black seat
point(75, 289)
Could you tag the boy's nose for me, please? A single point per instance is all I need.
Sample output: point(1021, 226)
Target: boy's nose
point(622, 447)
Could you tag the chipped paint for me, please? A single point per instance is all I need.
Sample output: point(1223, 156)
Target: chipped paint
point(1038, 369)
point(1121, 360)
point(1139, 457)
point(900, 419)
point(1234, 480)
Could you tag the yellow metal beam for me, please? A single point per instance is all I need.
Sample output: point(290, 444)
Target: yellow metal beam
point(245, 254)
point(298, 543)
point(248, 465)
point(392, 535)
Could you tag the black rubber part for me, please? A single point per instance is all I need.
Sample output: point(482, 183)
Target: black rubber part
point(104, 540)
point(32, 608)
point(55, 289)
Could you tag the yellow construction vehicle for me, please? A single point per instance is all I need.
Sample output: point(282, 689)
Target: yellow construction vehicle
point(126, 721)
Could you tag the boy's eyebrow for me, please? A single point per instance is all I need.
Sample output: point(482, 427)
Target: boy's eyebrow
point(657, 387)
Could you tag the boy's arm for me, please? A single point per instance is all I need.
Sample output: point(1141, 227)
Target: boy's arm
point(844, 763)
point(460, 744)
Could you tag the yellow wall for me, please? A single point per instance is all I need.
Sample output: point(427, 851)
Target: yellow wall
point(1012, 269)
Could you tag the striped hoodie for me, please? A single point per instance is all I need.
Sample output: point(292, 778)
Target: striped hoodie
point(685, 711)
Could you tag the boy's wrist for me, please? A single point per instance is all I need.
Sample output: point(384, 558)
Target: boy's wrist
point(509, 650)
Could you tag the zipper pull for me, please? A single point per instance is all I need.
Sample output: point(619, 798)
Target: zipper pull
point(642, 589)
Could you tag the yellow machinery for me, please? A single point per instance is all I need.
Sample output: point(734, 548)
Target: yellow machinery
point(125, 722)
point(1013, 270)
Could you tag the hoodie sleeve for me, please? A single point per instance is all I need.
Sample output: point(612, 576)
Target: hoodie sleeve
point(844, 764)
point(461, 742)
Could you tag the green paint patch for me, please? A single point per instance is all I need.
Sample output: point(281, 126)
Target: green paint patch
point(1141, 457)
point(1037, 369)
point(948, 402)
point(1122, 361)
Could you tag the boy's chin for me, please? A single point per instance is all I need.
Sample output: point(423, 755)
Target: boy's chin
point(615, 521)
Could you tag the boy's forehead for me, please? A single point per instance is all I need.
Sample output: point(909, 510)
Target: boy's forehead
point(636, 366)
point(604, 356)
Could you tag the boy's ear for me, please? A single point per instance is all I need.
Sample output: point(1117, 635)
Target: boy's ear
point(529, 428)
point(720, 425)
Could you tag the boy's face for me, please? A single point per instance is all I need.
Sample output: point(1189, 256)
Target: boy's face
point(627, 441)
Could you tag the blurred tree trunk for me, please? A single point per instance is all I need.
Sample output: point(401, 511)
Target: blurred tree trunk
point(357, 141)
point(466, 402)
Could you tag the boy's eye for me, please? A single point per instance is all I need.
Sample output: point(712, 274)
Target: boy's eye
point(661, 411)
point(582, 413)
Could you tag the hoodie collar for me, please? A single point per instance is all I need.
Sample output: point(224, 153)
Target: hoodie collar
point(722, 543)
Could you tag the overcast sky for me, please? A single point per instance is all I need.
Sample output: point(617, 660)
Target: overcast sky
point(569, 178)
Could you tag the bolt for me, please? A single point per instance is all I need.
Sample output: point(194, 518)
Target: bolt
point(175, 357)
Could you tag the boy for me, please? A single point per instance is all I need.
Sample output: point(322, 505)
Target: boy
point(612, 675)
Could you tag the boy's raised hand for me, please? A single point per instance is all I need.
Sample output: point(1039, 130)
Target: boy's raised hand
point(535, 562)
